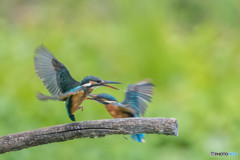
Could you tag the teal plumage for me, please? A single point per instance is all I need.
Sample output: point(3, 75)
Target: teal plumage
point(134, 104)
point(53, 73)
point(61, 84)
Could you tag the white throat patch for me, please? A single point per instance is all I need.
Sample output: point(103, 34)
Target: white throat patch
point(87, 84)
point(110, 102)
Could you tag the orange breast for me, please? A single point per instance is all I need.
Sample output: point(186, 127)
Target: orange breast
point(78, 99)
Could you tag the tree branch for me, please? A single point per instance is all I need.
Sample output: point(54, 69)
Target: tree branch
point(97, 128)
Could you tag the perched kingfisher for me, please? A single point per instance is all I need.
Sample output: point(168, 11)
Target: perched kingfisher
point(134, 104)
point(60, 83)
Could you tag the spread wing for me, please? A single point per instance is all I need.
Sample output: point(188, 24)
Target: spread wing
point(53, 73)
point(137, 95)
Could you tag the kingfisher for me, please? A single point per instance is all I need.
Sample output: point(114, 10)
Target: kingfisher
point(62, 86)
point(133, 105)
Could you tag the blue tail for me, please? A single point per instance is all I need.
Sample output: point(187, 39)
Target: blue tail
point(71, 116)
point(138, 137)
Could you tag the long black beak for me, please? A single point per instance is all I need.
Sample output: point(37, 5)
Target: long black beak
point(110, 82)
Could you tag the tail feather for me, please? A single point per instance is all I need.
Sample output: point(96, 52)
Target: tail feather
point(72, 117)
point(43, 97)
point(68, 107)
point(138, 137)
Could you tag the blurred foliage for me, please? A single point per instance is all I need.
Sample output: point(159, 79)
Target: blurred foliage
point(189, 48)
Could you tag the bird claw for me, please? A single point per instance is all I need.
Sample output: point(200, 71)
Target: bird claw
point(81, 107)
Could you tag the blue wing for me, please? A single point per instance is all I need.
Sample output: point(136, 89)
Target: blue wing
point(53, 73)
point(137, 95)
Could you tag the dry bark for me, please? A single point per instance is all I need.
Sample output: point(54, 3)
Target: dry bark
point(91, 129)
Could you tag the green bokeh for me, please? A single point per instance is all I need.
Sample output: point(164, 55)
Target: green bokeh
point(189, 48)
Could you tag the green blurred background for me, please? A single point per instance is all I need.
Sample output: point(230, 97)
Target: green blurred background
point(189, 48)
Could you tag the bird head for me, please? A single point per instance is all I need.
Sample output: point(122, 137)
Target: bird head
point(94, 82)
point(103, 98)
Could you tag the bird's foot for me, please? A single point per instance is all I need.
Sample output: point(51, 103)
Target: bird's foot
point(81, 107)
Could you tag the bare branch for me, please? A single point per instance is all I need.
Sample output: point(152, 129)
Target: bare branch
point(91, 129)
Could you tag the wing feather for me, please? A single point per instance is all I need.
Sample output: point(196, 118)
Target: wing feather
point(137, 96)
point(53, 73)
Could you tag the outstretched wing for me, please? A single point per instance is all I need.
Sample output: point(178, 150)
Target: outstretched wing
point(137, 95)
point(53, 73)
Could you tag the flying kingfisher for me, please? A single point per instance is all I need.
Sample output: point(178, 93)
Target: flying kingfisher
point(134, 104)
point(61, 85)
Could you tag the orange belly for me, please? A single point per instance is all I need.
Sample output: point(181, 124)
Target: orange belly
point(78, 99)
point(117, 112)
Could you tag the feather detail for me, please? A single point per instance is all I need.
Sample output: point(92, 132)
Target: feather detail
point(43, 97)
point(53, 73)
point(137, 95)
point(138, 137)
point(70, 115)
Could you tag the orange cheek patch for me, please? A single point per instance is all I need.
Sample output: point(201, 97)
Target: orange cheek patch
point(92, 82)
